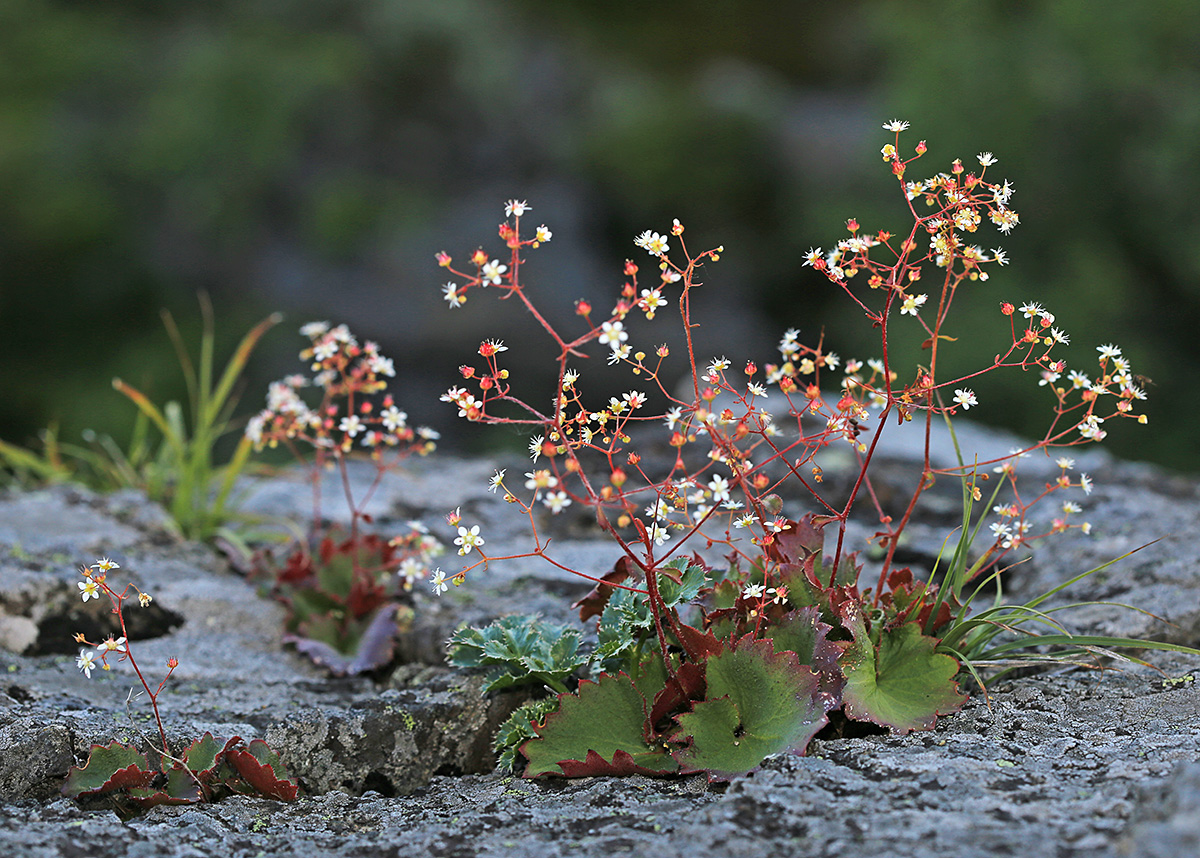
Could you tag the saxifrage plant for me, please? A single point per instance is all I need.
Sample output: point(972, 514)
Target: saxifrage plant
point(711, 666)
point(347, 593)
point(207, 770)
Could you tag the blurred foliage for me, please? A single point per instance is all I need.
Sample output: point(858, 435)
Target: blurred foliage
point(311, 156)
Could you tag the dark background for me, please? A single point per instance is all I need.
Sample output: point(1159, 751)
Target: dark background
point(312, 157)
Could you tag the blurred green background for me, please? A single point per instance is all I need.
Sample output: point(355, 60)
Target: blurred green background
point(311, 156)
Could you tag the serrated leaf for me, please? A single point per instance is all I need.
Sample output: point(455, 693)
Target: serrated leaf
point(183, 786)
point(520, 649)
point(903, 683)
point(518, 729)
point(260, 766)
point(148, 798)
point(204, 755)
point(803, 633)
point(692, 579)
point(759, 702)
point(600, 723)
point(108, 768)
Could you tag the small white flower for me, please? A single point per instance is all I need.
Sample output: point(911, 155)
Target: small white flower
point(912, 303)
point(965, 398)
point(515, 208)
point(86, 662)
point(986, 159)
point(394, 418)
point(896, 125)
point(496, 480)
point(652, 243)
point(613, 334)
point(438, 579)
point(491, 271)
point(556, 501)
point(468, 539)
point(351, 425)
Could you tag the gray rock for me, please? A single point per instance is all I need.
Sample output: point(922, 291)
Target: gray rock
point(1062, 764)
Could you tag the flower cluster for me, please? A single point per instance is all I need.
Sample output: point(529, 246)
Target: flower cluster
point(347, 374)
point(355, 414)
point(756, 428)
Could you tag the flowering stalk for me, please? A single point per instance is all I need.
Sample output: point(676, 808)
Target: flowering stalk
point(94, 584)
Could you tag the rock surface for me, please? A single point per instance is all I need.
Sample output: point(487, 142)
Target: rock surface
point(1061, 764)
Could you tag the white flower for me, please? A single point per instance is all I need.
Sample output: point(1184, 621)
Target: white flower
point(111, 645)
point(556, 501)
point(719, 486)
point(986, 159)
point(394, 418)
point(491, 271)
point(619, 353)
point(351, 425)
point(753, 591)
point(86, 662)
point(468, 539)
point(312, 330)
point(381, 365)
point(438, 579)
point(513, 208)
point(542, 235)
point(965, 398)
point(896, 125)
point(89, 589)
point(496, 480)
point(450, 294)
point(1108, 351)
point(325, 349)
point(912, 303)
point(535, 447)
point(652, 243)
point(613, 334)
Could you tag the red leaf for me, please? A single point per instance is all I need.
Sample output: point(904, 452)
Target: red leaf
point(261, 775)
point(677, 695)
point(622, 764)
point(593, 604)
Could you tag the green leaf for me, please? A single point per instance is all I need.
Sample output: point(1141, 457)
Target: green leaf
point(902, 683)
point(692, 579)
point(518, 729)
point(760, 702)
point(520, 650)
point(109, 768)
point(204, 755)
point(597, 731)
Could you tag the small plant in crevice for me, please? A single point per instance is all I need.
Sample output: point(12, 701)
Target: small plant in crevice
point(171, 453)
point(709, 665)
point(206, 770)
point(347, 591)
